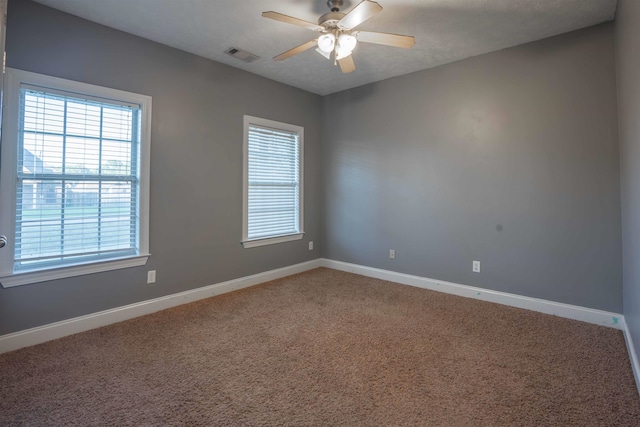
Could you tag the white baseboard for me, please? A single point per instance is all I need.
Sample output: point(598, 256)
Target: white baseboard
point(590, 315)
point(61, 329)
point(64, 328)
point(633, 356)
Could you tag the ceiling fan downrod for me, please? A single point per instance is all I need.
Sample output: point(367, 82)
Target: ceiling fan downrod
point(335, 5)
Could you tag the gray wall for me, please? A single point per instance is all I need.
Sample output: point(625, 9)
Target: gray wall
point(628, 68)
point(196, 162)
point(509, 158)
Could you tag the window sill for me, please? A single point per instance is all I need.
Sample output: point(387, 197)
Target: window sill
point(28, 277)
point(271, 240)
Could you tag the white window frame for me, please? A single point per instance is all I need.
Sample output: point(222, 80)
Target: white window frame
point(14, 79)
point(257, 121)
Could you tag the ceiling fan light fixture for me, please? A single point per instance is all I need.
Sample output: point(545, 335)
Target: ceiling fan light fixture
point(337, 34)
point(347, 42)
point(323, 53)
point(327, 42)
point(341, 53)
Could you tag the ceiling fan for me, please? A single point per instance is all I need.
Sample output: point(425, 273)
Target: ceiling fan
point(338, 37)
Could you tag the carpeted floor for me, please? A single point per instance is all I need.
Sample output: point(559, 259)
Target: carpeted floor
point(327, 348)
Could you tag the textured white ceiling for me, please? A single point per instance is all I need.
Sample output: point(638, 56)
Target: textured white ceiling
point(445, 31)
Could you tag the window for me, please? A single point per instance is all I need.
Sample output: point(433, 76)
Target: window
point(74, 183)
point(273, 203)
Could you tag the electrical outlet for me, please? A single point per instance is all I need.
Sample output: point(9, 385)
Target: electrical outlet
point(310, 246)
point(476, 266)
point(151, 276)
point(392, 253)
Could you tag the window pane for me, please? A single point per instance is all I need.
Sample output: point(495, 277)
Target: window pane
point(82, 156)
point(42, 153)
point(117, 123)
point(116, 158)
point(39, 230)
point(76, 195)
point(35, 118)
point(83, 119)
point(273, 183)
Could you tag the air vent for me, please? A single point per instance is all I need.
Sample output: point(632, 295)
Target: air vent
point(242, 55)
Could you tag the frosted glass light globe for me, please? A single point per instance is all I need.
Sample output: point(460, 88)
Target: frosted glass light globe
point(347, 42)
point(326, 42)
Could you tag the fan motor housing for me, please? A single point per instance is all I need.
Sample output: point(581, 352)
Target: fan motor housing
point(330, 20)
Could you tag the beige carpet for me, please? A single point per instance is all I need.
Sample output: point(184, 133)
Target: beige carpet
point(327, 348)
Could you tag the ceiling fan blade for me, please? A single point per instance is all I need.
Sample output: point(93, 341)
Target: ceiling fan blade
point(346, 64)
point(363, 11)
point(385, 39)
point(296, 50)
point(291, 20)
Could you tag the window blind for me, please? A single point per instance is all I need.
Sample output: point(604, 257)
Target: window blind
point(273, 182)
point(77, 181)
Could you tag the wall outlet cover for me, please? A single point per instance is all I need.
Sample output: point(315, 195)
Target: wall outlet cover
point(476, 266)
